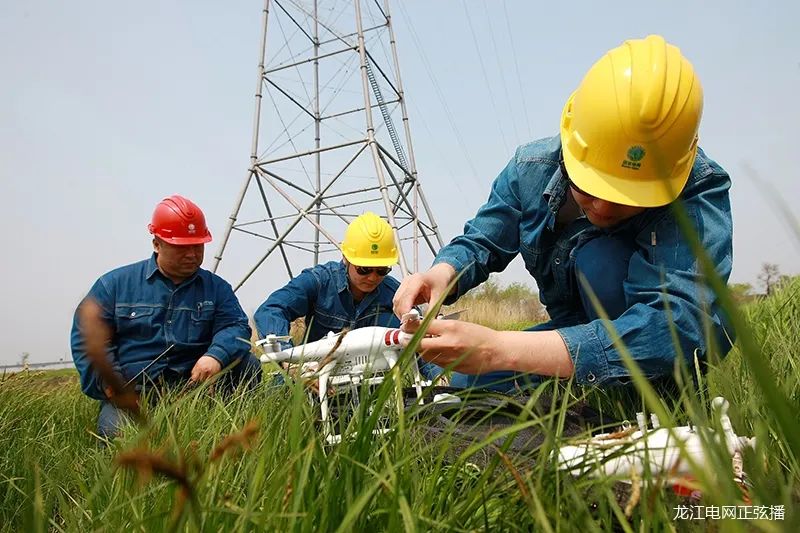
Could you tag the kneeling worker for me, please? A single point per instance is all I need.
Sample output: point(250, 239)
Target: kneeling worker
point(170, 321)
point(355, 292)
point(590, 212)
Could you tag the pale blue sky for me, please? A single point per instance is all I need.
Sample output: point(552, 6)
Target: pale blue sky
point(106, 107)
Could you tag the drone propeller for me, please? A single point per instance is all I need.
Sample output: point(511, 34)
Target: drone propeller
point(272, 339)
point(415, 314)
point(271, 346)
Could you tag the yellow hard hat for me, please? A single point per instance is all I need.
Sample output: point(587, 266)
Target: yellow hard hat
point(629, 132)
point(369, 242)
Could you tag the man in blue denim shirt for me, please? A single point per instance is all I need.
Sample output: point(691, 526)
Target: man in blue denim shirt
point(355, 292)
point(171, 321)
point(589, 213)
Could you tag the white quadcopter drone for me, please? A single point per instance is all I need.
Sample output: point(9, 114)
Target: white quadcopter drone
point(672, 452)
point(347, 360)
point(363, 356)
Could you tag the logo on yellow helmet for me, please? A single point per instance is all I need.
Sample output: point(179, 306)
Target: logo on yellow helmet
point(635, 155)
point(374, 249)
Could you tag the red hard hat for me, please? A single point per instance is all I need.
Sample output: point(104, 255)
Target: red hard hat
point(178, 220)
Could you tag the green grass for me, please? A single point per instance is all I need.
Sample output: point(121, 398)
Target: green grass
point(55, 476)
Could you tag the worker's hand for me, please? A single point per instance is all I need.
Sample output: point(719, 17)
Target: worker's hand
point(425, 288)
point(448, 341)
point(204, 368)
point(108, 389)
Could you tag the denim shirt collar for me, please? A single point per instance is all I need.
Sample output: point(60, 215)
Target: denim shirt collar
point(151, 269)
point(340, 276)
point(555, 193)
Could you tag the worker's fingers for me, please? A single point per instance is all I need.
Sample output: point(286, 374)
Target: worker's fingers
point(435, 328)
point(440, 327)
point(204, 368)
point(410, 322)
point(433, 345)
point(412, 291)
point(435, 350)
point(443, 327)
point(203, 375)
point(435, 296)
point(448, 336)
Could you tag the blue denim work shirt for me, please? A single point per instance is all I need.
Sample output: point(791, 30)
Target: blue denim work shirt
point(148, 312)
point(664, 285)
point(322, 295)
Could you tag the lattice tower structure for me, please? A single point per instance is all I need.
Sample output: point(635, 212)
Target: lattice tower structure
point(331, 140)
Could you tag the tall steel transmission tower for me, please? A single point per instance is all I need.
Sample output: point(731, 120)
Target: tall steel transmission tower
point(331, 140)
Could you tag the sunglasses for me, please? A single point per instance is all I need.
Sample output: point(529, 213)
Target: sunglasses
point(366, 271)
point(571, 183)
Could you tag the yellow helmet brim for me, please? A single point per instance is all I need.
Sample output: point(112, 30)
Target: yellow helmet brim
point(369, 261)
point(627, 191)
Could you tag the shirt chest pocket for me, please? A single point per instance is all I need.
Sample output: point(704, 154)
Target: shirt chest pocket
point(541, 262)
point(532, 257)
point(201, 323)
point(134, 322)
point(551, 267)
point(325, 322)
point(378, 315)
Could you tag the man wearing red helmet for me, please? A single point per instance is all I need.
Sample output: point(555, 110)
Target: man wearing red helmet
point(171, 321)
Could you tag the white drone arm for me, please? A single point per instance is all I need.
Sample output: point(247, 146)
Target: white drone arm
point(271, 344)
point(659, 450)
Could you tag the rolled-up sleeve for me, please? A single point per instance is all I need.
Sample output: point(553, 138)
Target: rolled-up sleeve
point(671, 312)
point(232, 332)
point(491, 239)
